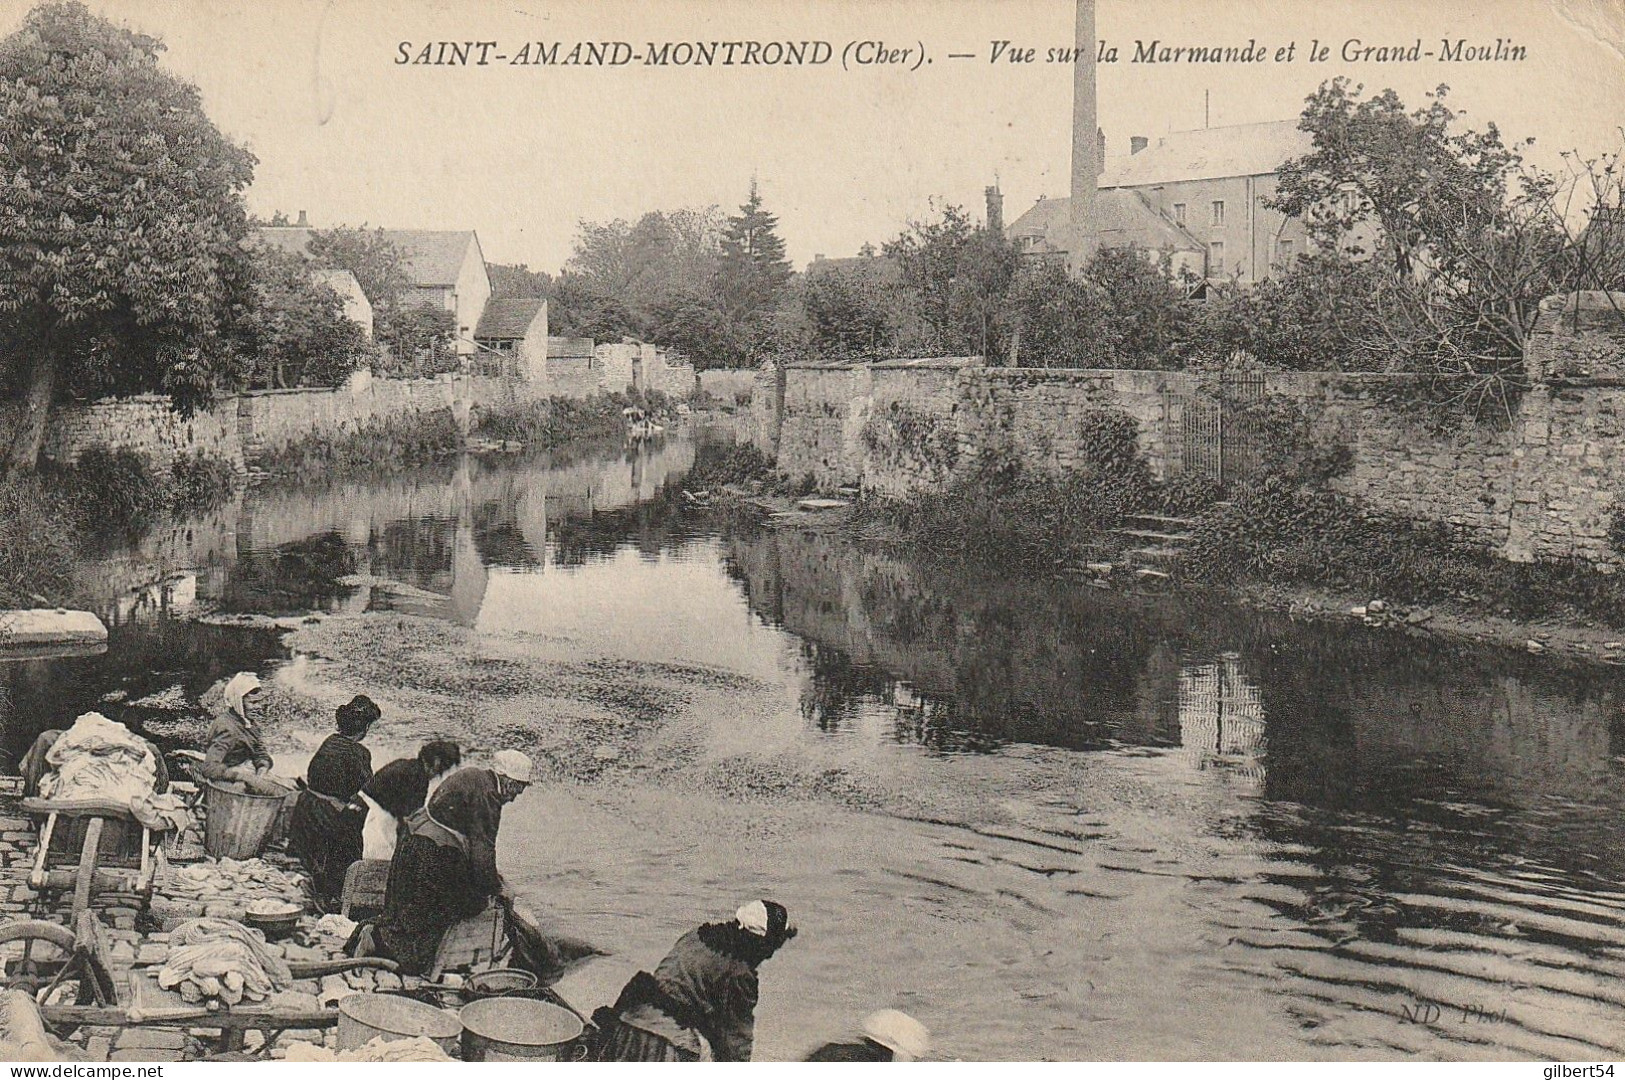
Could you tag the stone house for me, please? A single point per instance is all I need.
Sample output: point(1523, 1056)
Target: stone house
point(513, 331)
point(1196, 194)
point(446, 268)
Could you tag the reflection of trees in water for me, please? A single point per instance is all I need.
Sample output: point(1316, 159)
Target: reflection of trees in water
point(293, 577)
point(831, 698)
point(498, 539)
point(417, 550)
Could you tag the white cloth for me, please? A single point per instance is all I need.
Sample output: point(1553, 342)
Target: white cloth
point(513, 765)
point(753, 917)
point(378, 833)
point(904, 1036)
point(98, 758)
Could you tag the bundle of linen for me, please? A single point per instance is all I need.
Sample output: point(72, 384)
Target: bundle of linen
point(219, 961)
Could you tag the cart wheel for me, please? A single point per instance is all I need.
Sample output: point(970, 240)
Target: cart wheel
point(47, 951)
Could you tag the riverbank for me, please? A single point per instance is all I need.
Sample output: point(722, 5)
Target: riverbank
point(1283, 541)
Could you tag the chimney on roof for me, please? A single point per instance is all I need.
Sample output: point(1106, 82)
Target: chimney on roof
point(995, 209)
point(303, 222)
point(818, 258)
point(1136, 143)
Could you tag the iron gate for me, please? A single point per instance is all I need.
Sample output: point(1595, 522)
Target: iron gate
point(1218, 437)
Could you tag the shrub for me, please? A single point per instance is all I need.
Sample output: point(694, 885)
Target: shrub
point(114, 491)
point(200, 481)
point(38, 533)
point(719, 463)
point(381, 444)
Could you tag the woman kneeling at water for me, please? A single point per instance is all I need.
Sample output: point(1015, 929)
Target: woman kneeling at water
point(700, 1003)
point(325, 832)
point(444, 868)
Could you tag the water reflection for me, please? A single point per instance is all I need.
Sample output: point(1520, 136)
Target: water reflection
point(1343, 827)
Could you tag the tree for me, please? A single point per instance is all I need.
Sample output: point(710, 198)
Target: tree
point(959, 273)
point(583, 311)
point(696, 327)
point(1471, 239)
point(421, 337)
point(121, 217)
point(752, 271)
point(642, 263)
point(852, 313)
point(518, 280)
point(294, 331)
point(1061, 318)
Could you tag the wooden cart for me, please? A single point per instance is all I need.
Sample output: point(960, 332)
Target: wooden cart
point(91, 844)
point(81, 957)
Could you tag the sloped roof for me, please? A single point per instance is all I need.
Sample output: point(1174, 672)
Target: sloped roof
point(1123, 217)
point(1210, 154)
point(508, 318)
point(432, 257)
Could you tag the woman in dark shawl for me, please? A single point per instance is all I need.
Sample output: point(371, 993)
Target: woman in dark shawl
point(700, 1003)
point(444, 869)
point(398, 789)
point(325, 832)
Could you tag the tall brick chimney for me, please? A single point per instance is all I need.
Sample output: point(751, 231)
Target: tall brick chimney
point(303, 222)
point(1087, 152)
point(995, 209)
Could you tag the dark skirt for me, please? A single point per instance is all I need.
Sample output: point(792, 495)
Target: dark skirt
point(327, 839)
point(623, 1042)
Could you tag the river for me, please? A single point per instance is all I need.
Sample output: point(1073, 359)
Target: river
point(1053, 822)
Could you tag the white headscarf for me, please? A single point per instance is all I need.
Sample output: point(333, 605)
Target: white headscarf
point(241, 685)
point(904, 1036)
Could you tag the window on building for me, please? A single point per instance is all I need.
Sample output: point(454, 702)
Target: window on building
point(1218, 211)
point(1179, 212)
point(1215, 258)
point(1284, 252)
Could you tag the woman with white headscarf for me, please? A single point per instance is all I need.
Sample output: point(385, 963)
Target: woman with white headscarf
point(700, 1002)
point(236, 750)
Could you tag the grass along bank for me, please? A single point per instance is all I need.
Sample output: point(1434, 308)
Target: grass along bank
point(48, 519)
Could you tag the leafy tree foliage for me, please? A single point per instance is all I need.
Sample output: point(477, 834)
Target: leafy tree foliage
point(518, 280)
point(1416, 176)
point(1470, 237)
point(121, 217)
point(294, 331)
point(856, 313)
point(421, 337)
point(959, 272)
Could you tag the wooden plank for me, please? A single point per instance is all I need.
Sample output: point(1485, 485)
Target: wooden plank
point(87, 868)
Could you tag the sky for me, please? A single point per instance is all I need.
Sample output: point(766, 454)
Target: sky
point(844, 153)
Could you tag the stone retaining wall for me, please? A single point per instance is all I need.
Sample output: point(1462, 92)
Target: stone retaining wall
point(1544, 485)
point(244, 429)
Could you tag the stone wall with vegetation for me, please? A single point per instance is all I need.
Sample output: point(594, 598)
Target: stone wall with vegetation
point(1544, 483)
point(244, 429)
point(146, 425)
